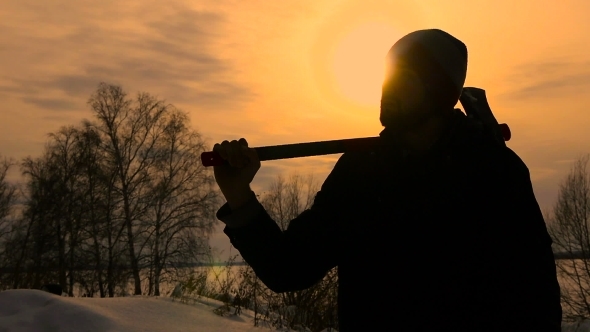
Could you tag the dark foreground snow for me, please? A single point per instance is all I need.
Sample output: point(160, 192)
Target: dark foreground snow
point(26, 310)
point(37, 311)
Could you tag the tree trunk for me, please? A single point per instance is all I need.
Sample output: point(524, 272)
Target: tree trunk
point(62, 255)
point(72, 258)
point(71, 284)
point(16, 281)
point(151, 280)
point(110, 281)
point(100, 283)
point(131, 244)
point(157, 281)
point(157, 262)
point(98, 258)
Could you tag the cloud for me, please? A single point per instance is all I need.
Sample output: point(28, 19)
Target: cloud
point(557, 87)
point(184, 25)
point(77, 85)
point(9, 89)
point(565, 161)
point(549, 79)
point(170, 50)
point(52, 104)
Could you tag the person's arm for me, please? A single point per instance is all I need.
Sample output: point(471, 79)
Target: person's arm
point(301, 255)
point(519, 259)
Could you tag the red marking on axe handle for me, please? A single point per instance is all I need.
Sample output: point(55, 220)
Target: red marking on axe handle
point(211, 159)
point(505, 131)
point(296, 150)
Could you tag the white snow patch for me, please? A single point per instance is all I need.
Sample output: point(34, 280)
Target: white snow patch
point(27, 310)
point(37, 311)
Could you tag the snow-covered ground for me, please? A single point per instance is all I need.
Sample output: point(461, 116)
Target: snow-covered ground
point(26, 310)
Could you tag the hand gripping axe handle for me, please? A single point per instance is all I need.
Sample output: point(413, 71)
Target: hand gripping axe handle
point(296, 150)
point(473, 100)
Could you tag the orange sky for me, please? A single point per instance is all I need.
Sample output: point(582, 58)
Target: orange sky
point(293, 71)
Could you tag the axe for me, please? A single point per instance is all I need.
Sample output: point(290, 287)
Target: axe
point(474, 103)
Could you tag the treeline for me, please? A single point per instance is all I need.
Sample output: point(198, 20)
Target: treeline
point(311, 309)
point(569, 227)
point(125, 189)
point(122, 200)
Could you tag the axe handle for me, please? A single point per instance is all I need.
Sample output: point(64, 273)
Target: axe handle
point(296, 150)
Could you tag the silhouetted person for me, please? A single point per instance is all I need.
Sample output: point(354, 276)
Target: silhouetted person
point(53, 289)
point(437, 229)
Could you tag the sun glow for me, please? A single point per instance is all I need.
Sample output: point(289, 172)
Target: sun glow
point(358, 64)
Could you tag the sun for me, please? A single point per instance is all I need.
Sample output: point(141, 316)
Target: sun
point(358, 62)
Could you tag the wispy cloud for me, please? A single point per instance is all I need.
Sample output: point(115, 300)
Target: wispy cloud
point(549, 79)
point(174, 51)
point(51, 104)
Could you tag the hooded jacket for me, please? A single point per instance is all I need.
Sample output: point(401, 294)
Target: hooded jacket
point(451, 241)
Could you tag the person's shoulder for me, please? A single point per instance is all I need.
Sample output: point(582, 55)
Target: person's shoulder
point(354, 160)
point(350, 169)
point(514, 161)
point(471, 138)
point(475, 150)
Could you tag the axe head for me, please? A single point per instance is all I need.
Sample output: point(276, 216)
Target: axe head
point(476, 106)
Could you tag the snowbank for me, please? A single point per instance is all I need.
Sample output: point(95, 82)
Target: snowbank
point(26, 310)
point(37, 311)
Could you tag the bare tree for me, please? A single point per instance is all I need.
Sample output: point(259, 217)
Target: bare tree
point(109, 199)
point(7, 214)
point(93, 199)
point(66, 162)
point(55, 206)
point(102, 235)
point(43, 240)
point(181, 212)
point(7, 196)
point(131, 131)
point(287, 198)
point(569, 226)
